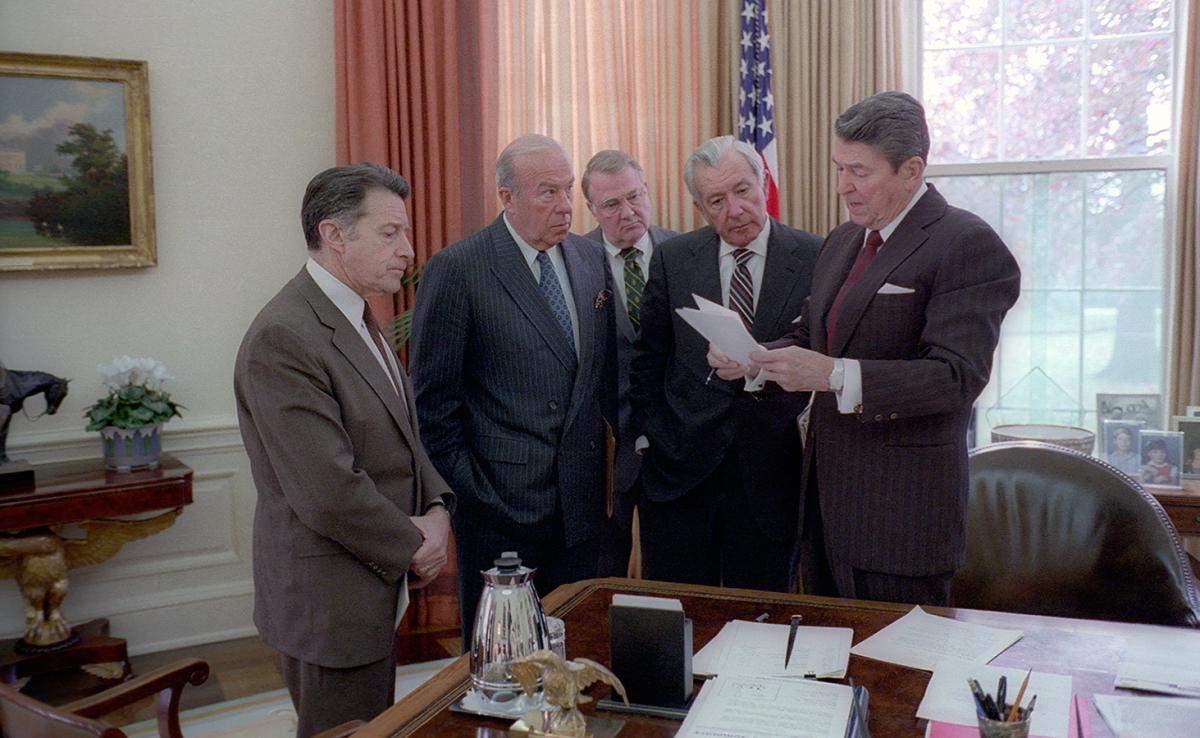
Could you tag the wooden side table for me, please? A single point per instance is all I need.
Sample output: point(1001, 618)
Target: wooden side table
point(78, 492)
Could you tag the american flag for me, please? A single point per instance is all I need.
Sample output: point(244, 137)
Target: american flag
point(756, 106)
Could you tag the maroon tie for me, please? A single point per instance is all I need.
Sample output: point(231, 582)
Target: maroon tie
point(865, 256)
point(377, 336)
point(741, 287)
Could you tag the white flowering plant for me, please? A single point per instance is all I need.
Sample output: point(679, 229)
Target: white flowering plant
point(135, 395)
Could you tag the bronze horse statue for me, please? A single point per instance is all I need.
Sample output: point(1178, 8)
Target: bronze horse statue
point(16, 386)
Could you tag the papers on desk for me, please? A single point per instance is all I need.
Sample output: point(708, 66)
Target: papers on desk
point(722, 327)
point(921, 640)
point(746, 706)
point(757, 648)
point(1148, 717)
point(948, 699)
point(1161, 662)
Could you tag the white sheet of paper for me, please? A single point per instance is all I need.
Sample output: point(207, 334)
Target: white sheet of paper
point(744, 706)
point(948, 698)
point(744, 647)
point(921, 640)
point(722, 327)
point(1161, 662)
point(1148, 717)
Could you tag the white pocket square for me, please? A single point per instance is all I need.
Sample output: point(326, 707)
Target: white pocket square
point(894, 289)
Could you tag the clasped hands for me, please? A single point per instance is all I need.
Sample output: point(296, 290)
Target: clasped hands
point(432, 554)
point(793, 368)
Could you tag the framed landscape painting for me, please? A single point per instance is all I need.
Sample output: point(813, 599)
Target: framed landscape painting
point(75, 168)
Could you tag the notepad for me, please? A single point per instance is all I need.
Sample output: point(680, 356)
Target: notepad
point(745, 706)
point(743, 647)
point(920, 640)
point(1161, 662)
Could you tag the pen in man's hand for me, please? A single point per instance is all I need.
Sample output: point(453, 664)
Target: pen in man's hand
point(711, 372)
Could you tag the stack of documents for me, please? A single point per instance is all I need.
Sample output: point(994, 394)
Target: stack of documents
point(722, 327)
point(746, 706)
point(920, 640)
point(1161, 662)
point(758, 648)
point(948, 699)
point(1149, 717)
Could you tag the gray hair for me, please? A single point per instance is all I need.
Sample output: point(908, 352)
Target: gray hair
point(891, 122)
point(608, 161)
point(715, 149)
point(530, 143)
point(338, 193)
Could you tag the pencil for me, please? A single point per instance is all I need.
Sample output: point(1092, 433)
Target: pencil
point(1012, 713)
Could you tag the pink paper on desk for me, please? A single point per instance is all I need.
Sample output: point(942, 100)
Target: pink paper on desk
point(938, 729)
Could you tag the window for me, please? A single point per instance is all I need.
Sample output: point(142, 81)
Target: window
point(1052, 120)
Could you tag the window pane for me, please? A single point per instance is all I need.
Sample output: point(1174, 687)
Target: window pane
point(1129, 97)
point(963, 104)
point(1042, 223)
point(961, 22)
point(1042, 102)
point(1049, 19)
point(1130, 16)
point(1122, 349)
point(1124, 229)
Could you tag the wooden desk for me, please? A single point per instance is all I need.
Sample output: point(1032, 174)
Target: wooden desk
point(1088, 650)
point(72, 492)
point(1183, 505)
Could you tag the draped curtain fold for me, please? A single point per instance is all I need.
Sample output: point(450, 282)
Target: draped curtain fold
point(1184, 380)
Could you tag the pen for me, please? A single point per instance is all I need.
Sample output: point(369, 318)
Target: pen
point(1012, 713)
point(1029, 710)
point(977, 693)
point(1000, 690)
point(762, 618)
point(793, 626)
point(711, 372)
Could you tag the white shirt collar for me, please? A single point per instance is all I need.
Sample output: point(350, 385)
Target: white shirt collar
point(891, 227)
point(349, 302)
point(758, 245)
point(529, 252)
point(642, 245)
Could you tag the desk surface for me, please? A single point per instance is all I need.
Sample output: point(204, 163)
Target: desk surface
point(1088, 650)
point(70, 491)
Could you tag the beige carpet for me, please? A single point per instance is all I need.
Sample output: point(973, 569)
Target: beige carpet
point(267, 715)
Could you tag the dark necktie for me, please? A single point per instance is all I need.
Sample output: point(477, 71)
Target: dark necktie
point(865, 256)
point(635, 283)
point(741, 287)
point(377, 336)
point(552, 290)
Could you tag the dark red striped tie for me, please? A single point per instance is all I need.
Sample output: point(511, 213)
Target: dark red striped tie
point(865, 256)
point(741, 287)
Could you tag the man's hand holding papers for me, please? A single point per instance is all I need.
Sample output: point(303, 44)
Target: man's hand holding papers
point(730, 344)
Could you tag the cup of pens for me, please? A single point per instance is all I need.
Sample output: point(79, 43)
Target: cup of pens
point(999, 718)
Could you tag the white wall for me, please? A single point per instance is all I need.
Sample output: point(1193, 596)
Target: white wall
point(241, 115)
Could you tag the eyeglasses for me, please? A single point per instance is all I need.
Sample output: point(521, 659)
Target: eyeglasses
point(613, 205)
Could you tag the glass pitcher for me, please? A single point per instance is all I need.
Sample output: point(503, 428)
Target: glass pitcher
point(509, 625)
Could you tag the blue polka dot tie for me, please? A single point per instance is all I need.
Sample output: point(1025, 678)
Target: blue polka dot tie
point(552, 290)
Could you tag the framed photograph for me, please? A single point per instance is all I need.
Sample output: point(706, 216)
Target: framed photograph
point(75, 171)
point(1192, 411)
point(1146, 408)
point(1162, 458)
point(1119, 445)
point(1189, 426)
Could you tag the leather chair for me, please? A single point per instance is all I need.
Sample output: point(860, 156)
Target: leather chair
point(1051, 531)
point(22, 716)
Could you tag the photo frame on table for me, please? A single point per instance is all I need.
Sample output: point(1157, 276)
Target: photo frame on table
point(1189, 426)
point(1146, 408)
point(76, 187)
point(1119, 445)
point(1162, 457)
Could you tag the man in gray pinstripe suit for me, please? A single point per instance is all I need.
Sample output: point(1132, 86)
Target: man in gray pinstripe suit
point(513, 372)
point(897, 341)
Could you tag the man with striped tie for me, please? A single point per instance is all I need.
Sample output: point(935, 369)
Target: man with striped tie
point(614, 186)
point(719, 504)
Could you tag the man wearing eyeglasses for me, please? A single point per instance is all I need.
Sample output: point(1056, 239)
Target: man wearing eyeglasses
point(615, 188)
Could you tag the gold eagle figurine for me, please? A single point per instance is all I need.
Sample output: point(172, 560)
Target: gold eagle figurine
point(563, 682)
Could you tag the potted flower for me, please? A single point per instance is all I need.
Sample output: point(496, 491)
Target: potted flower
point(131, 415)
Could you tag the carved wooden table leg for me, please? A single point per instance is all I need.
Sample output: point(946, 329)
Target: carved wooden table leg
point(95, 647)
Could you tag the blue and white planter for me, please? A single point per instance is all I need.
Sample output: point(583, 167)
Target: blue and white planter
point(128, 450)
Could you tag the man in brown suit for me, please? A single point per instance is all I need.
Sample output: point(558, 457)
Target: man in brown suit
point(897, 342)
point(351, 513)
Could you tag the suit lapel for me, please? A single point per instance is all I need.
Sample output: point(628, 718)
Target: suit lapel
point(348, 341)
point(908, 237)
point(781, 274)
point(587, 282)
point(516, 278)
point(706, 272)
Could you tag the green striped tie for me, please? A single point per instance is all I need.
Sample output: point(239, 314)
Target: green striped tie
point(635, 282)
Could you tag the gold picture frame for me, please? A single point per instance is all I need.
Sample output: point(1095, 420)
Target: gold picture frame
point(76, 189)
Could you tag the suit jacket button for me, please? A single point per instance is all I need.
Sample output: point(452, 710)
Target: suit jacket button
point(893, 416)
point(878, 418)
point(553, 405)
point(593, 445)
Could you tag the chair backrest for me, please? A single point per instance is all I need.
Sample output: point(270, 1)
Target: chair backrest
point(21, 716)
point(1052, 531)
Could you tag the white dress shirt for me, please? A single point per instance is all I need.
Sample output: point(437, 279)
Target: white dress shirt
point(756, 264)
point(850, 396)
point(616, 262)
point(560, 269)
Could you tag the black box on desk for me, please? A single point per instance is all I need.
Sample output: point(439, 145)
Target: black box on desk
point(650, 642)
